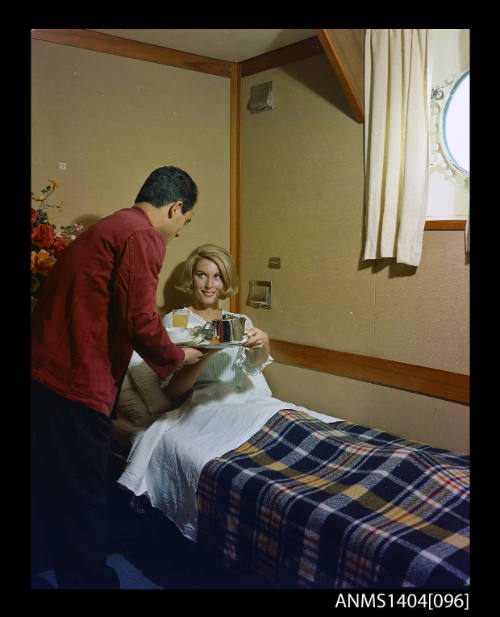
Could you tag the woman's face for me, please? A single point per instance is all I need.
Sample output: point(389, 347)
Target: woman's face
point(208, 282)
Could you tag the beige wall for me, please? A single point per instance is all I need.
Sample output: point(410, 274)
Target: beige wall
point(302, 200)
point(113, 120)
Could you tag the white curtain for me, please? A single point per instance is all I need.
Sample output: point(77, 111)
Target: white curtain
point(397, 97)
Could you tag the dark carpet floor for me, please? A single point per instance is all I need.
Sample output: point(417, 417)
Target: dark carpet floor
point(148, 552)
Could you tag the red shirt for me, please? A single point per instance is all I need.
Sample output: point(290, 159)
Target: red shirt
point(99, 304)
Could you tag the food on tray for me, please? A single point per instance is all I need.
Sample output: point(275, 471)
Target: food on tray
point(182, 335)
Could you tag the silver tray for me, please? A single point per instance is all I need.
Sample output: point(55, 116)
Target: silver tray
point(207, 345)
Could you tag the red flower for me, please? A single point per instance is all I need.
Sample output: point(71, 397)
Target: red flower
point(43, 235)
point(34, 216)
point(59, 247)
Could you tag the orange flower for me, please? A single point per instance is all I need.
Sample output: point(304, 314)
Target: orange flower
point(41, 262)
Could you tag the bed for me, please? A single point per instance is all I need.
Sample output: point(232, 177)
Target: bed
point(301, 499)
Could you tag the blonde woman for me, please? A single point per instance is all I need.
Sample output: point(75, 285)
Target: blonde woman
point(219, 402)
point(209, 276)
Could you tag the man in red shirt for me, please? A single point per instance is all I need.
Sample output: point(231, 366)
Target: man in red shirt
point(96, 307)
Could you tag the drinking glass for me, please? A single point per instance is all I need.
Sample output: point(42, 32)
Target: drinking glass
point(180, 318)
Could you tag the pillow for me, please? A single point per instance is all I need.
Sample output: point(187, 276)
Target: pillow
point(147, 383)
point(131, 406)
point(135, 359)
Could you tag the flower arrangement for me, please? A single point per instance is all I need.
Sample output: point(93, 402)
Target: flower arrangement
point(46, 244)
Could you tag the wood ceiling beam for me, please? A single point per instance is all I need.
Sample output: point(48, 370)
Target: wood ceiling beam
point(283, 55)
point(106, 43)
point(344, 49)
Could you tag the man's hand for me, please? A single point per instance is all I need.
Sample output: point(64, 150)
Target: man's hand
point(195, 355)
point(192, 356)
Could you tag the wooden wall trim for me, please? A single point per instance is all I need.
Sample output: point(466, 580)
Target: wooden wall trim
point(106, 43)
point(283, 55)
point(421, 379)
point(453, 225)
point(235, 177)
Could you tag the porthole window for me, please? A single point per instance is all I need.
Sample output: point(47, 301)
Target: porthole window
point(450, 127)
point(455, 127)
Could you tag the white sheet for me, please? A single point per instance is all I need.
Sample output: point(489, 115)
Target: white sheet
point(166, 460)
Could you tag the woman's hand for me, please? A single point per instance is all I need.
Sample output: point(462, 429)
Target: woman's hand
point(256, 339)
point(258, 346)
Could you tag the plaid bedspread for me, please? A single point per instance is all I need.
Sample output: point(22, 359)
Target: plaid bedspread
point(314, 505)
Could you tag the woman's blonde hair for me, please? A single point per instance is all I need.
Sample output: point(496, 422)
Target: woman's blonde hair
point(221, 258)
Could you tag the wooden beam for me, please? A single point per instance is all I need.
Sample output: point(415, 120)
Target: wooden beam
point(347, 59)
point(421, 379)
point(235, 177)
point(106, 43)
point(279, 57)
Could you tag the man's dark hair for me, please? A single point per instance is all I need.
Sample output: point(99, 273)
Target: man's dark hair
point(166, 185)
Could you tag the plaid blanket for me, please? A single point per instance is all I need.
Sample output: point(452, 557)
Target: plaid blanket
point(312, 505)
